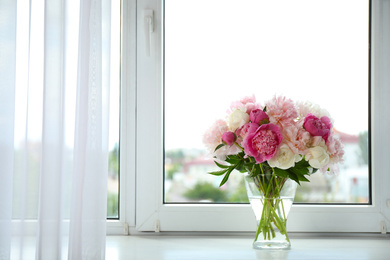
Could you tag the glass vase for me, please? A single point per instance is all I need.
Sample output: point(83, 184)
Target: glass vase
point(271, 198)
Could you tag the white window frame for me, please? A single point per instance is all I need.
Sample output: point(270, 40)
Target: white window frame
point(142, 81)
point(127, 135)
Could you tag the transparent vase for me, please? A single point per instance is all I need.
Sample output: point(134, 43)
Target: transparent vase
point(271, 198)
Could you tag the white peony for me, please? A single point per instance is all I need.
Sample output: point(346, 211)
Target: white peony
point(317, 156)
point(237, 119)
point(285, 158)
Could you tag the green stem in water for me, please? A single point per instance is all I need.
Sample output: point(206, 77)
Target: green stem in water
point(269, 216)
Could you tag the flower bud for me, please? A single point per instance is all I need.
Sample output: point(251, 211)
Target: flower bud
point(229, 138)
point(259, 117)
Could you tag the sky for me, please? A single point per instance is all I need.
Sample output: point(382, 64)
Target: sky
point(219, 51)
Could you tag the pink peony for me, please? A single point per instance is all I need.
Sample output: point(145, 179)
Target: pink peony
point(318, 126)
point(258, 116)
point(296, 138)
point(335, 149)
point(248, 99)
point(229, 138)
point(263, 143)
point(248, 103)
point(243, 131)
point(281, 111)
point(213, 137)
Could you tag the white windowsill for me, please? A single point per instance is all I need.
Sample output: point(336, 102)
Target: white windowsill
point(231, 246)
point(204, 247)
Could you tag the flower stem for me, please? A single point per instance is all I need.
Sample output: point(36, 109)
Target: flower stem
point(272, 205)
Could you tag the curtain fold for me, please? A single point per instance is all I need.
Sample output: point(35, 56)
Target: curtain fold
point(87, 227)
point(50, 216)
point(54, 97)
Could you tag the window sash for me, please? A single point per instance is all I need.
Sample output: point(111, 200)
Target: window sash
point(127, 137)
point(303, 218)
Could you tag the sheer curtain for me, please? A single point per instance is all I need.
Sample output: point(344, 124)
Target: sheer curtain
point(54, 98)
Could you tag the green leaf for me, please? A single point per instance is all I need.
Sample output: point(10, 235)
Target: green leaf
point(218, 173)
point(298, 172)
point(240, 167)
point(229, 171)
point(219, 146)
point(301, 166)
point(293, 176)
point(249, 164)
point(221, 165)
point(233, 159)
point(226, 178)
point(304, 171)
point(281, 173)
point(302, 178)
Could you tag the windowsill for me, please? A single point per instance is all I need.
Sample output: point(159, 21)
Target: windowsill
point(204, 247)
point(232, 246)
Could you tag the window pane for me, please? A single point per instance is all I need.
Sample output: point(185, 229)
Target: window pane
point(221, 51)
point(113, 157)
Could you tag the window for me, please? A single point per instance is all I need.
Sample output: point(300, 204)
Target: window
point(264, 48)
point(221, 217)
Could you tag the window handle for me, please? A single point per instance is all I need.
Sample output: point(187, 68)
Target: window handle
point(148, 28)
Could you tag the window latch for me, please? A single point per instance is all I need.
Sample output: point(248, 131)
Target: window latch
point(148, 28)
point(383, 227)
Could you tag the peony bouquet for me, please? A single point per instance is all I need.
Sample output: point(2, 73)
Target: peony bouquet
point(274, 142)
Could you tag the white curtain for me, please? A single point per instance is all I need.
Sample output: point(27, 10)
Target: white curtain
point(54, 101)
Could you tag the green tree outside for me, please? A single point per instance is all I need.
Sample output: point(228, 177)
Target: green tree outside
point(206, 191)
